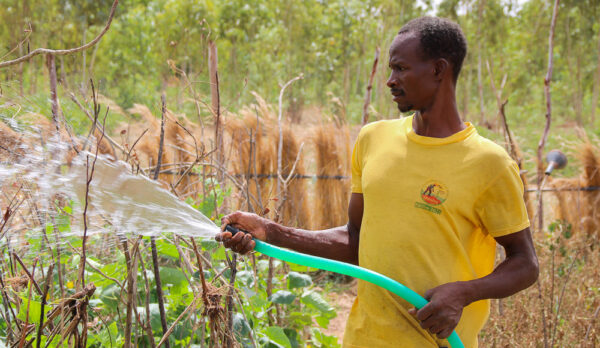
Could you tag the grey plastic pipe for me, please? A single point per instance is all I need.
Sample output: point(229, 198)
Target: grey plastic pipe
point(348, 269)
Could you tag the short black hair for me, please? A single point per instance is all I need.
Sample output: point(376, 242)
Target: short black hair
point(439, 38)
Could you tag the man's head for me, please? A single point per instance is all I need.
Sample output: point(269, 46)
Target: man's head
point(426, 52)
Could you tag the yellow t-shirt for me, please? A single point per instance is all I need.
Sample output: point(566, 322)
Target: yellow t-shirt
point(431, 209)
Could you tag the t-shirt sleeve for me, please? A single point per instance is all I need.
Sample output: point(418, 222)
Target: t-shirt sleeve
point(356, 183)
point(500, 207)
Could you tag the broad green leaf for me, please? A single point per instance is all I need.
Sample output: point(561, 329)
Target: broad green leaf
point(292, 335)
point(167, 249)
point(219, 253)
point(301, 318)
point(263, 265)
point(173, 276)
point(94, 263)
point(277, 336)
point(108, 338)
point(110, 296)
point(245, 277)
point(282, 297)
point(35, 309)
point(209, 244)
point(240, 325)
point(298, 280)
point(154, 316)
point(44, 340)
point(257, 301)
point(319, 339)
point(313, 299)
point(322, 321)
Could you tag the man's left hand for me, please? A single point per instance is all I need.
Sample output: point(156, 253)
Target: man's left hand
point(441, 315)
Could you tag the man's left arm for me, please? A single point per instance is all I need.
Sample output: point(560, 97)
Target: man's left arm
point(517, 272)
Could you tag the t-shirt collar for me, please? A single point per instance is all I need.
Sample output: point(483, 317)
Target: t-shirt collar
point(431, 141)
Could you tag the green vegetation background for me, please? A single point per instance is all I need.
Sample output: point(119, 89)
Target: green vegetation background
point(264, 43)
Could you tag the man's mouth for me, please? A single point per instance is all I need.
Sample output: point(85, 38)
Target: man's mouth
point(397, 93)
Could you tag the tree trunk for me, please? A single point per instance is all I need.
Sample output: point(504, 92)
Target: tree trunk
point(479, 64)
point(53, 95)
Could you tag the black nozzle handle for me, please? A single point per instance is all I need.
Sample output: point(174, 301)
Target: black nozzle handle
point(233, 230)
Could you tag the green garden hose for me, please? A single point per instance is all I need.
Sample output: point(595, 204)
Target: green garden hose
point(348, 269)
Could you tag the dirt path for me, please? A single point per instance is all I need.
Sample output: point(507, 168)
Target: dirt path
point(342, 301)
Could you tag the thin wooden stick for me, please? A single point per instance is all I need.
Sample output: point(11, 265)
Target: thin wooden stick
point(168, 332)
point(30, 275)
point(589, 328)
point(89, 172)
point(147, 327)
point(91, 118)
point(159, 292)
point(365, 115)
point(542, 143)
point(44, 295)
point(131, 278)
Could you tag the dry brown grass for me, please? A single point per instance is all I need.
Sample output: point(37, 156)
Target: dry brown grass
point(590, 158)
point(10, 141)
point(253, 155)
point(40, 123)
point(581, 208)
point(178, 149)
point(295, 207)
point(332, 195)
point(566, 300)
point(568, 297)
point(147, 147)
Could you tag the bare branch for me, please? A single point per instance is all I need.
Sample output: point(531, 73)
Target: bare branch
point(91, 118)
point(365, 115)
point(65, 51)
point(280, 145)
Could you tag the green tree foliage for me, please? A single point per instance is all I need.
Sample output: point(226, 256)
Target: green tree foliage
point(264, 43)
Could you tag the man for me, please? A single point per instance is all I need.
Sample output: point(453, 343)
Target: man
point(430, 199)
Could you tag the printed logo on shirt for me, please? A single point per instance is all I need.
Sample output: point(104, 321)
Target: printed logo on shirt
point(433, 194)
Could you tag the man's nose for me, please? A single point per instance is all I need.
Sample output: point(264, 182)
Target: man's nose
point(391, 82)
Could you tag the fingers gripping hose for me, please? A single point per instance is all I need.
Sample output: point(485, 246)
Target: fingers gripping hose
point(348, 269)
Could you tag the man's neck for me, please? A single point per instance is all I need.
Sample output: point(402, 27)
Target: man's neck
point(441, 120)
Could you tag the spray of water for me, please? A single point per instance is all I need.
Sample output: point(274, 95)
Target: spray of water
point(119, 201)
point(132, 203)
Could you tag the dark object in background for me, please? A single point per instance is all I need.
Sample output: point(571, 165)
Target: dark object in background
point(556, 160)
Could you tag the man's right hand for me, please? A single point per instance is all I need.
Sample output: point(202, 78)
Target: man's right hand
point(242, 243)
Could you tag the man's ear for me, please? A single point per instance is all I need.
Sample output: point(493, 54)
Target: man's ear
point(440, 68)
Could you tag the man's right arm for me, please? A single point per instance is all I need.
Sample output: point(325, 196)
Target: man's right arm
point(338, 243)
